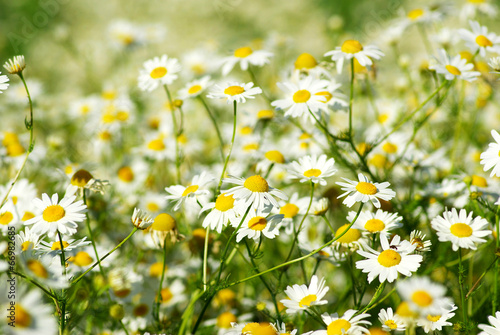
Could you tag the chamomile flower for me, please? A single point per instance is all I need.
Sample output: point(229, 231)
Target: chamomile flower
point(234, 92)
point(438, 320)
point(246, 56)
point(423, 295)
point(69, 244)
point(302, 97)
point(471, 7)
point(158, 71)
point(4, 82)
point(379, 222)
point(56, 215)
point(348, 324)
point(195, 88)
point(252, 328)
point(479, 39)
point(456, 67)
point(394, 258)
point(352, 48)
point(491, 158)
point(494, 329)
point(364, 191)
point(461, 229)
point(15, 65)
point(178, 194)
point(301, 297)
point(256, 224)
point(27, 240)
point(494, 63)
point(141, 219)
point(352, 239)
point(223, 211)
point(254, 191)
point(8, 217)
point(282, 330)
point(312, 168)
point(391, 321)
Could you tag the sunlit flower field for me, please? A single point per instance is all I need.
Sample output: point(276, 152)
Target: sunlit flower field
point(250, 168)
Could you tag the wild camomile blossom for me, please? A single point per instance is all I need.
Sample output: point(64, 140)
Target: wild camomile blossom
point(223, 211)
point(437, 321)
point(178, 194)
point(4, 82)
point(348, 324)
point(15, 65)
point(364, 190)
point(494, 63)
point(479, 39)
point(456, 67)
point(245, 56)
point(494, 329)
point(391, 321)
point(158, 71)
point(234, 91)
point(352, 48)
point(491, 157)
point(301, 297)
point(312, 168)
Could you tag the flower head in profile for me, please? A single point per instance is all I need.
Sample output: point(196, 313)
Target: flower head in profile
point(456, 67)
point(349, 324)
point(195, 88)
point(479, 39)
point(364, 190)
point(379, 222)
point(436, 321)
point(141, 219)
point(245, 56)
point(491, 157)
point(352, 48)
point(494, 63)
point(15, 65)
point(312, 168)
point(301, 297)
point(158, 71)
point(178, 194)
point(234, 92)
point(391, 321)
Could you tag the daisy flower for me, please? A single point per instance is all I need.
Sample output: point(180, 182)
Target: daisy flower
point(69, 244)
point(15, 65)
point(141, 220)
point(380, 222)
point(271, 157)
point(223, 210)
point(348, 324)
point(393, 259)
point(178, 193)
point(423, 295)
point(195, 88)
point(312, 168)
point(491, 158)
point(302, 97)
point(391, 321)
point(158, 71)
point(282, 330)
point(254, 191)
point(494, 329)
point(257, 224)
point(245, 56)
point(61, 216)
point(301, 297)
point(456, 67)
point(234, 91)
point(364, 191)
point(460, 229)
point(8, 217)
point(4, 82)
point(471, 7)
point(418, 239)
point(251, 328)
point(352, 48)
point(479, 39)
point(494, 63)
point(437, 321)
point(27, 240)
point(352, 239)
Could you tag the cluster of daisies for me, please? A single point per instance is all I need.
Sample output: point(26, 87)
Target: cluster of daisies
point(156, 204)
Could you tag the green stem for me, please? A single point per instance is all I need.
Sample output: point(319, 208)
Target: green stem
point(230, 149)
point(176, 134)
point(63, 291)
point(254, 80)
point(205, 259)
point(158, 296)
point(372, 302)
point(329, 224)
point(461, 281)
point(351, 96)
point(214, 122)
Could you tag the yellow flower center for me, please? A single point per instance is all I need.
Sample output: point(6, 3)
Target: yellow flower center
point(351, 47)
point(225, 319)
point(82, 259)
point(476, 1)
point(404, 310)
point(158, 72)
point(122, 293)
point(57, 245)
point(389, 258)
point(23, 318)
point(338, 327)
point(156, 145)
point(453, 70)
point(166, 295)
point(421, 298)
point(105, 135)
point(126, 174)
point(15, 149)
point(53, 213)
point(163, 222)
point(265, 114)
point(140, 310)
point(301, 96)
point(224, 202)
point(312, 173)
point(461, 230)
point(483, 41)
point(366, 188)
point(251, 147)
point(378, 160)
point(6, 218)
point(391, 324)
point(152, 207)
point(275, 156)
point(305, 61)
point(289, 211)
point(243, 52)
point(307, 300)
point(257, 223)
point(328, 96)
point(479, 181)
point(194, 89)
point(81, 178)
point(156, 268)
point(26, 245)
point(37, 268)
point(433, 318)
point(27, 216)
point(108, 95)
point(190, 189)
point(122, 116)
point(352, 235)
point(374, 225)
point(382, 118)
point(390, 148)
point(415, 14)
point(246, 130)
point(255, 328)
point(225, 296)
point(9, 138)
point(14, 199)
point(234, 90)
point(256, 184)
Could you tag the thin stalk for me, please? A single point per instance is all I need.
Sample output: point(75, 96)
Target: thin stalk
point(230, 148)
point(329, 224)
point(63, 291)
point(254, 80)
point(205, 259)
point(214, 122)
point(351, 96)
point(176, 134)
point(461, 281)
point(372, 303)
point(158, 297)
point(495, 278)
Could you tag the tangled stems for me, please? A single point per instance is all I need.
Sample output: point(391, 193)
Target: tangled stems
point(29, 125)
point(230, 149)
point(177, 132)
point(212, 118)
